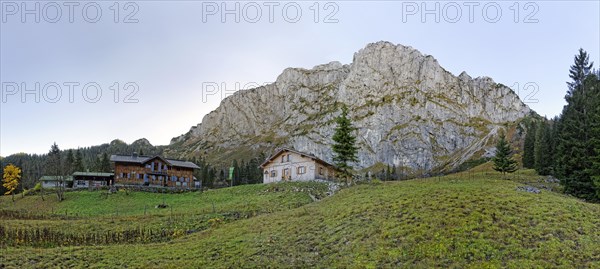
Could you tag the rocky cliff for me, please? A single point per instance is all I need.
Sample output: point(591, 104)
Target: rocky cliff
point(409, 112)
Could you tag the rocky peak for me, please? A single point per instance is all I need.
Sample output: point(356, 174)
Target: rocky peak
point(409, 111)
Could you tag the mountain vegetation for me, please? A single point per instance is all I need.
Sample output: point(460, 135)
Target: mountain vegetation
point(465, 220)
point(567, 146)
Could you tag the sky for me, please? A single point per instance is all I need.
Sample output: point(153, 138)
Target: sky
point(152, 69)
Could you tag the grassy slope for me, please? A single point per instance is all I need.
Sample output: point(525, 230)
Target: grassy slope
point(439, 222)
point(93, 212)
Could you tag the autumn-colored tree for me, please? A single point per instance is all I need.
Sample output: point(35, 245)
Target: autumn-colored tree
point(11, 177)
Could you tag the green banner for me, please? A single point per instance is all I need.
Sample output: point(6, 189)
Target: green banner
point(230, 173)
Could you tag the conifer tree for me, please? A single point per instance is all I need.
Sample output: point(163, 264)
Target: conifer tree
point(69, 161)
point(575, 151)
point(78, 162)
point(542, 153)
point(54, 167)
point(529, 146)
point(105, 163)
point(594, 170)
point(503, 161)
point(344, 147)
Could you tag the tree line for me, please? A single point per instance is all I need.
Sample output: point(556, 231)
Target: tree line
point(94, 158)
point(568, 146)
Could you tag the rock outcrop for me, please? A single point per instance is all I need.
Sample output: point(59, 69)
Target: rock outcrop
point(409, 112)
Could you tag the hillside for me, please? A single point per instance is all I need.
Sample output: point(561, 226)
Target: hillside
point(473, 219)
point(410, 112)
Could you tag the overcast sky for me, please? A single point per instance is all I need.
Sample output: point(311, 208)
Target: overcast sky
point(152, 60)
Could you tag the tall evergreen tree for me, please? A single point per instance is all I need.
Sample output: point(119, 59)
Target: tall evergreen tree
point(78, 162)
point(529, 146)
point(542, 153)
point(579, 71)
point(54, 167)
point(344, 147)
point(594, 170)
point(503, 161)
point(105, 163)
point(69, 161)
point(575, 151)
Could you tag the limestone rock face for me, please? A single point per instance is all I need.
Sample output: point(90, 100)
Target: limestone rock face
point(409, 112)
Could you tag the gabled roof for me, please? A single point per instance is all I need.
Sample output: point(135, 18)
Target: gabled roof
point(303, 154)
point(93, 174)
point(144, 159)
point(55, 178)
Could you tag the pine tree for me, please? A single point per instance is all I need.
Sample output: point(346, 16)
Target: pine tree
point(529, 146)
point(503, 161)
point(78, 162)
point(344, 147)
point(579, 71)
point(594, 170)
point(105, 163)
point(54, 167)
point(575, 151)
point(542, 153)
point(69, 161)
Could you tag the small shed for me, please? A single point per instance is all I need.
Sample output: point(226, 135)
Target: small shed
point(92, 179)
point(55, 181)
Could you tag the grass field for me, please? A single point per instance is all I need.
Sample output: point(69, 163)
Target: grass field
point(473, 219)
point(85, 214)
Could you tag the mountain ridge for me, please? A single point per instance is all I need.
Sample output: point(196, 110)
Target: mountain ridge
point(410, 112)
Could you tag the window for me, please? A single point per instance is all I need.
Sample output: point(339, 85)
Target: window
point(122, 175)
point(320, 170)
point(266, 172)
point(301, 170)
point(140, 176)
point(286, 172)
point(282, 158)
point(273, 173)
point(288, 157)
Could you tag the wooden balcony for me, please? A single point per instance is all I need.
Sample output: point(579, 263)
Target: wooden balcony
point(156, 172)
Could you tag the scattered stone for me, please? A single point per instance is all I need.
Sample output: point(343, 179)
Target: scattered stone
point(529, 189)
point(551, 179)
point(162, 206)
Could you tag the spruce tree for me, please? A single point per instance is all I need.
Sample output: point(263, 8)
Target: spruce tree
point(344, 147)
point(54, 167)
point(105, 163)
point(503, 161)
point(529, 146)
point(594, 170)
point(78, 162)
point(69, 162)
point(542, 153)
point(575, 151)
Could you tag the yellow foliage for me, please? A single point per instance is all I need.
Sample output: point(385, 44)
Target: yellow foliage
point(11, 177)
